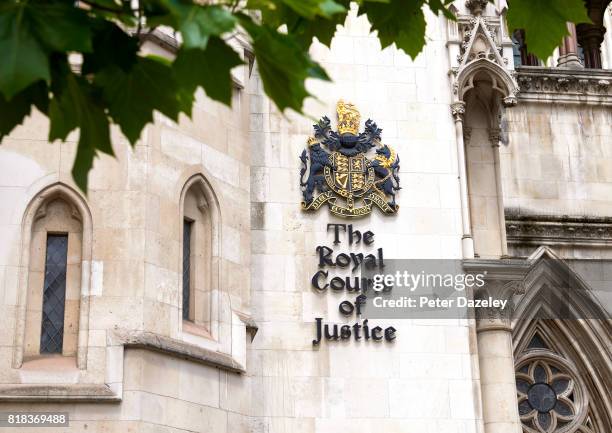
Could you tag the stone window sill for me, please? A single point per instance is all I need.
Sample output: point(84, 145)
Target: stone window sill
point(57, 393)
point(117, 341)
point(195, 329)
point(49, 362)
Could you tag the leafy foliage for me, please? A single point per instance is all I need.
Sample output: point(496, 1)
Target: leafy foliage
point(74, 107)
point(545, 22)
point(399, 22)
point(209, 68)
point(118, 84)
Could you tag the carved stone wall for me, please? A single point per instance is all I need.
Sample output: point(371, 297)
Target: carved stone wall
point(562, 85)
point(558, 230)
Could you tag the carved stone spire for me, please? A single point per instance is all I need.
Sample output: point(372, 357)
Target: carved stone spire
point(476, 6)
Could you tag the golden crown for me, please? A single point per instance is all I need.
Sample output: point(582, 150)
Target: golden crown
point(348, 118)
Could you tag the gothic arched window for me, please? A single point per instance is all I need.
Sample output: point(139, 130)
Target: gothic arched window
point(198, 234)
point(56, 256)
point(555, 393)
point(562, 348)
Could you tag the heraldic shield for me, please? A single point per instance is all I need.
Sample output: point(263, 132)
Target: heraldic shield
point(341, 175)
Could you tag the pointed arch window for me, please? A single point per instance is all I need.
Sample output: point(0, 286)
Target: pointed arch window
point(55, 276)
point(198, 254)
point(54, 280)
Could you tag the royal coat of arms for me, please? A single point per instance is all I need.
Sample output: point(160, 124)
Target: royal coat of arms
point(340, 173)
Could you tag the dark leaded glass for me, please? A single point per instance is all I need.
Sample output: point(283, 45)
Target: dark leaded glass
point(539, 374)
point(186, 267)
point(524, 407)
point(542, 397)
point(516, 51)
point(563, 408)
point(522, 385)
point(537, 343)
point(544, 419)
point(560, 385)
point(54, 295)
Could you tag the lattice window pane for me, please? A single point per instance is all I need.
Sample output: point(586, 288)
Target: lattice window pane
point(187, 226)
point(54, 295)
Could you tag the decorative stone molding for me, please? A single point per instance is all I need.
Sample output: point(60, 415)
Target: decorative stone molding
point(558, 230)
point(458, 110)
point(503, 280)
point(484, 49)
point(477, 48)
point(565, 85)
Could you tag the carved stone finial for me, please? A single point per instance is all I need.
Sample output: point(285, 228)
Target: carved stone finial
point(476, 6)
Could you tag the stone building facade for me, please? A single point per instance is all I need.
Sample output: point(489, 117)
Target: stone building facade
point(188, 303)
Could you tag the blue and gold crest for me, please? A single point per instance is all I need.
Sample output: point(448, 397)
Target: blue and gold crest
point(340, 172)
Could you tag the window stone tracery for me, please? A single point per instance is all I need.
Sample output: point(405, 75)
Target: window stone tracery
point(552, 398)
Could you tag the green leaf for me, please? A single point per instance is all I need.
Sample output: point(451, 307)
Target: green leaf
point(322, 18)
point(283, 64)
point(311, 8)
point(13, 111)
point(308, 9)
point(202, 22)
point(24, 60)
point(195, 22)
point(112, 47)
point(61, 26)
point(324, 31)
point(209, 68)
point(544, 22)
point(399, 22)
point(440, 5)
point(133, 96)
point(119, 11)
point(77, 107)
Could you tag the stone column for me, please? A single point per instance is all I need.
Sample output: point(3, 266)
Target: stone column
point(467, 242)
point(494, 341)
point(494, 135)
point(568, 50)
point(591, 35)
